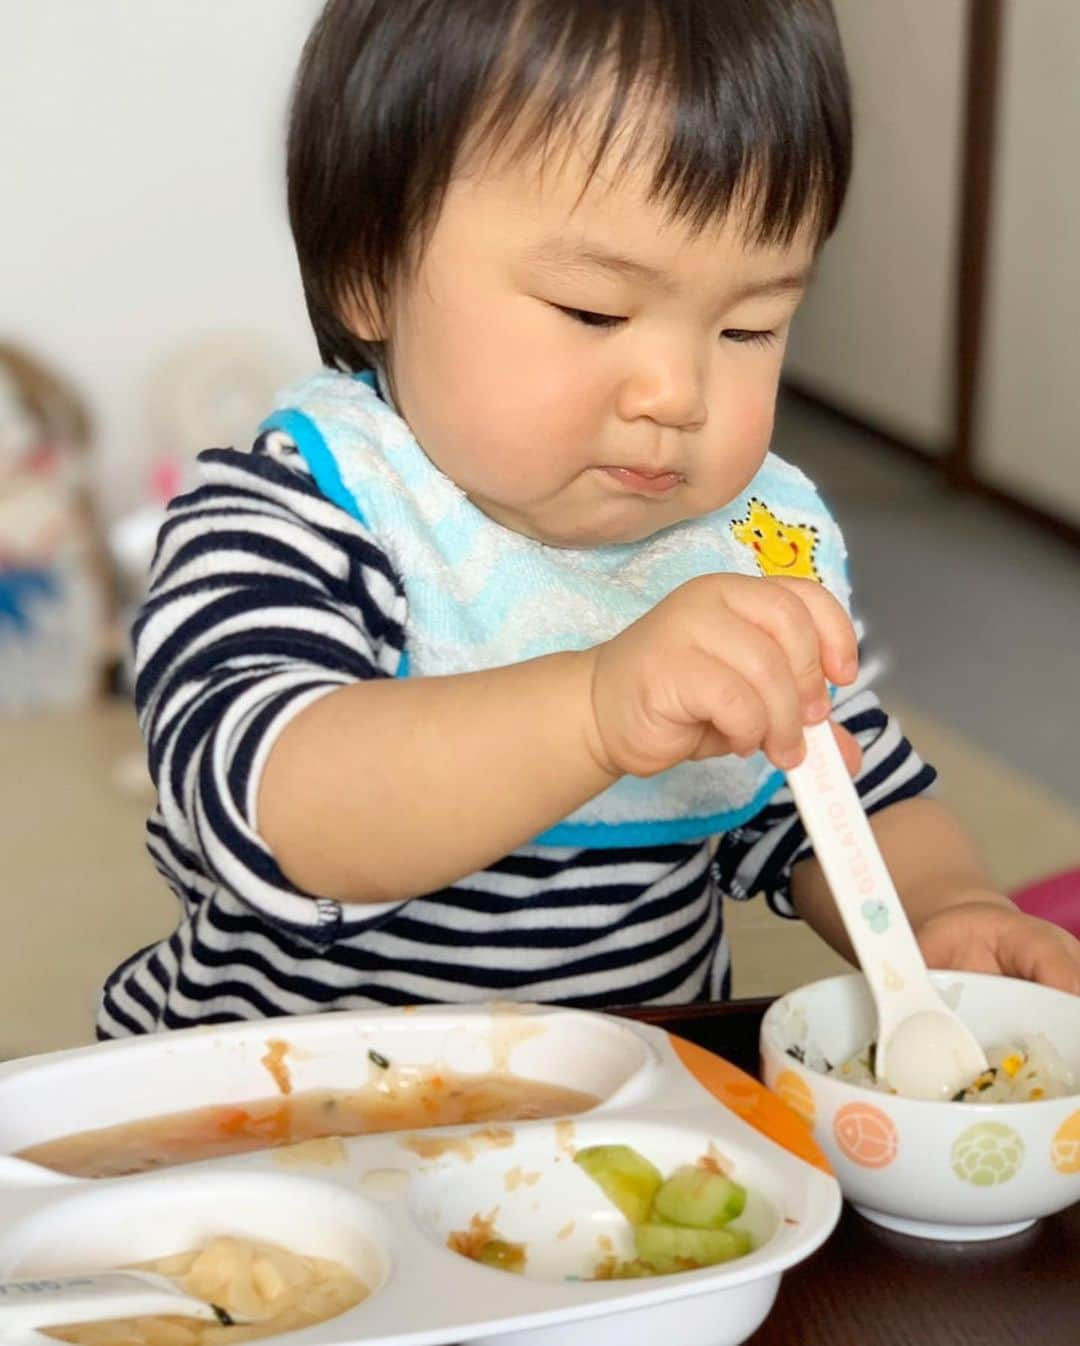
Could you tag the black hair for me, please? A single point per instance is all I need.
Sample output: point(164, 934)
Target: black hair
point(389, 93)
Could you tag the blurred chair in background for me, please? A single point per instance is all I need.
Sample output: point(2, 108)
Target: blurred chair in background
point(209, 392)
point(55, 581)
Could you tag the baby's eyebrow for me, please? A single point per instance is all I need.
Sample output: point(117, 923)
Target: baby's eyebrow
point(570, 255)
point(772, 288)
point(563, 252)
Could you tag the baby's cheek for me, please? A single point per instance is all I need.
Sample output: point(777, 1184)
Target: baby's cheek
point(491, 450)
point(754, 411)
point(530, 433)
point(748, 433)
point(740, 434)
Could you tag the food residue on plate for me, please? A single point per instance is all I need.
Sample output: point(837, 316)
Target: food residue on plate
point(564, 1137)
point(715, 1162)
point(465, 1147)
point(517, 1177)
point(279, 1290)
point(382, 1184)
point(510, 1027)
point(325, 1152)
point(482, 1243)
point(274, 1061)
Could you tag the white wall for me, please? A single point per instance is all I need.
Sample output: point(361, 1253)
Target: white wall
point(141, 194)
point(1029, 405)
point(874, 335)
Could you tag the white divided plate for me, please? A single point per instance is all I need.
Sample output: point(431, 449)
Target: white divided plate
point(386, 1204)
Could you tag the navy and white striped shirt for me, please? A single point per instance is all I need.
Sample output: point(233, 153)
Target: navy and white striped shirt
point(265, 596)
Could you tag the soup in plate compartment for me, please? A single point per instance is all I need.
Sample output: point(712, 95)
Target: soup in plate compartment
point(399, 1098)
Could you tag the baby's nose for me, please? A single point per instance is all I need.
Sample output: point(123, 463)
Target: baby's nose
point(667, 387)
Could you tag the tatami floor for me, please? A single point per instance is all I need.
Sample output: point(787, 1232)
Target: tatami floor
point(968, 675)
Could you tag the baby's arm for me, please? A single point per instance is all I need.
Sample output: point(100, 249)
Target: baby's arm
point(389, 789)
point(960, 920)
point(468, 768)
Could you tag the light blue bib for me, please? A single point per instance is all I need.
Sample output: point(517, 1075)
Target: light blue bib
point(480, 595)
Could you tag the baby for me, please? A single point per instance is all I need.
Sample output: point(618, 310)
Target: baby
point(477, 676)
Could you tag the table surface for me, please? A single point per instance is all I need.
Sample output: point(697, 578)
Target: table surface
point(870, 1287)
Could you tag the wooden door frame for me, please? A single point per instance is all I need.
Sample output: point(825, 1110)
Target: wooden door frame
point(982, 84)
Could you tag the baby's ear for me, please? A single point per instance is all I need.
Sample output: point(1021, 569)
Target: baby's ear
point(362, 310)
point(361, 316)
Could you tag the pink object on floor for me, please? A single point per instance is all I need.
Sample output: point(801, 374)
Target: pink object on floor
point(1055, 899)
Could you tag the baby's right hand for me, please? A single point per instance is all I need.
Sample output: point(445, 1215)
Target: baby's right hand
point(725, 664)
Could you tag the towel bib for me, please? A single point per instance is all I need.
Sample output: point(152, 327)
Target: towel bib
point(480, 595)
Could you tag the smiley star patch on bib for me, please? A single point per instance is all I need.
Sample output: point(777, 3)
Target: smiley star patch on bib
point(779, 548)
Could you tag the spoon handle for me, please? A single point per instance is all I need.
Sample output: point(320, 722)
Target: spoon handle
point(49, 1300)
point(848, 853)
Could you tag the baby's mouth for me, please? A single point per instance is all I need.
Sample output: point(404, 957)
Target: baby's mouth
point(642, 482)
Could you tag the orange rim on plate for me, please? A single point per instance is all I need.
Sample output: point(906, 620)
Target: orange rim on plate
point(751, 1101)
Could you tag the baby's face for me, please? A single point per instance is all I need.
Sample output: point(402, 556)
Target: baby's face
point(585, 370)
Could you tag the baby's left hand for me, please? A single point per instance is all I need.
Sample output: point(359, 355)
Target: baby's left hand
point(982, 934)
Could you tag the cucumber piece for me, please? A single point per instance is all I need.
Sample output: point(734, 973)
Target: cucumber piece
point(669, 1248)
point(698, 1199)
point(625, 1177)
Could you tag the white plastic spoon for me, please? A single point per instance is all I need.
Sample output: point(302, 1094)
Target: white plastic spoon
point(923, 1049)
point(50, 1301)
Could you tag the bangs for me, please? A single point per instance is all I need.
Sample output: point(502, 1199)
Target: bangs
point(727, 114)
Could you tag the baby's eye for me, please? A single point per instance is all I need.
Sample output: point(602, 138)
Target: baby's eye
point(589, 319)
point(742, 337)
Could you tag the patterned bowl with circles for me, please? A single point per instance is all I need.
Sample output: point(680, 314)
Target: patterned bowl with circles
point(947, 1170)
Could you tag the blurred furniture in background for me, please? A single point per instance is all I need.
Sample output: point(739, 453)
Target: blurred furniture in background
point(946, 309)
point(208, 392)
point(55, 583)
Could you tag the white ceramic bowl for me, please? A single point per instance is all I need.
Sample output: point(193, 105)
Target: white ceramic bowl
point(937, 1170)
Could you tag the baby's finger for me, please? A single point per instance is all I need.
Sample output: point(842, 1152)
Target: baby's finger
point(716, 694)
point(839, 645)
point(950, 953)
point(763, 663)
point(1056, 963)
point(782, 614)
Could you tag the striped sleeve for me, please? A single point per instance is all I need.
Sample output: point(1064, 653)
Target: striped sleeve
point(263, 598)
point(759, 857)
